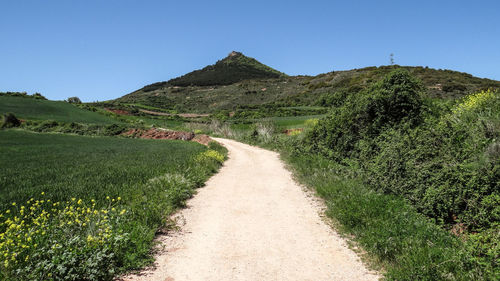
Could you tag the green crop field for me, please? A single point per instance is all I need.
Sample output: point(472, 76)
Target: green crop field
point(36, 109)
point(294, 121)
point(67, 200)
point(90, 167)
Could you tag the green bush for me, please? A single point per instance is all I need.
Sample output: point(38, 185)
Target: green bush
point(395, 99)
point(75, 128)
point(443, 158)
point(335, 99)
point(114, 129)
point(74, 100)
point(451, 87)
point(449, 167)
point(9, 120)
point(177, 188)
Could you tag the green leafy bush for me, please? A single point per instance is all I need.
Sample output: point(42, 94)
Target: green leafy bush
point(24, 95)
point(448, 168)
point(74, 100)
point(442, 158)
point(395, 99)
point(9, 120)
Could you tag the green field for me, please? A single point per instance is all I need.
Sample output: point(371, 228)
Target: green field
point(36, 109)
point(294, 121)
point(88, 167)
point(108, 197)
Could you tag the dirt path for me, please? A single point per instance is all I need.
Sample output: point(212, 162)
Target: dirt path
point(253, 222)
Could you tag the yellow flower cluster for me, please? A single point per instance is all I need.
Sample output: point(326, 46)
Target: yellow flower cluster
point(24, 229)
point(210, 154)
point(295, 132)
point(311, 122)
point(473, 101)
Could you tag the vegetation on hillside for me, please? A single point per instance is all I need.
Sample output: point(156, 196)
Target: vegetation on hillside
point(444, 162)
point(23, 94)
point(320, 90)
point(93, 208)
point(234, 68)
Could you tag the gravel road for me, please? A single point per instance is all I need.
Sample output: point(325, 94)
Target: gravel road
point(253, 222)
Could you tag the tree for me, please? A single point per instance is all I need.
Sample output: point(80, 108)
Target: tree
point(39, 96)
point(391, 58)
point(74, 100)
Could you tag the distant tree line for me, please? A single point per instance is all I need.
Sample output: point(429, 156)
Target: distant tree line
point(24, 95)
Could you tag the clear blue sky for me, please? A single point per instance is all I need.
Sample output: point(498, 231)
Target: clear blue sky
point(103, 49)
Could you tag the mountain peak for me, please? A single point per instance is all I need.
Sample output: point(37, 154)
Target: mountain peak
point(234, 68)
point(234, 53)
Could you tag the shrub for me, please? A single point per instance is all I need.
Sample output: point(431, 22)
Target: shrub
point(443, 158)
point(24, 95)
point(9, 120)
point(114, 129)
point(394, 100)
point(74, 100)
point(39, 96)
point(176, 188)
point(451, 87)
point(334, 99)
point(45, 126)
point(448, 167)
point(263, 131)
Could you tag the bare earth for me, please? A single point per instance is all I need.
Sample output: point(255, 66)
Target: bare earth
point(253, 222)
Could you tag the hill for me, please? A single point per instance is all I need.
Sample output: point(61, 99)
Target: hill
point(234, 68)
point(25, 107)
point(284, 91)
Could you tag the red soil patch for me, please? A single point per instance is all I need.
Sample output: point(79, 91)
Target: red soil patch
point(159, 134)
point(203, 139)
point(118, 111)
point(162, 134)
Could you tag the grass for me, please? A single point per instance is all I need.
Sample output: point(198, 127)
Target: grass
point(293, 121)
point(36, 109)
point(113, 194)
point(407, 245)
point(156, 121)
point(280, 123)
point(88, 167)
